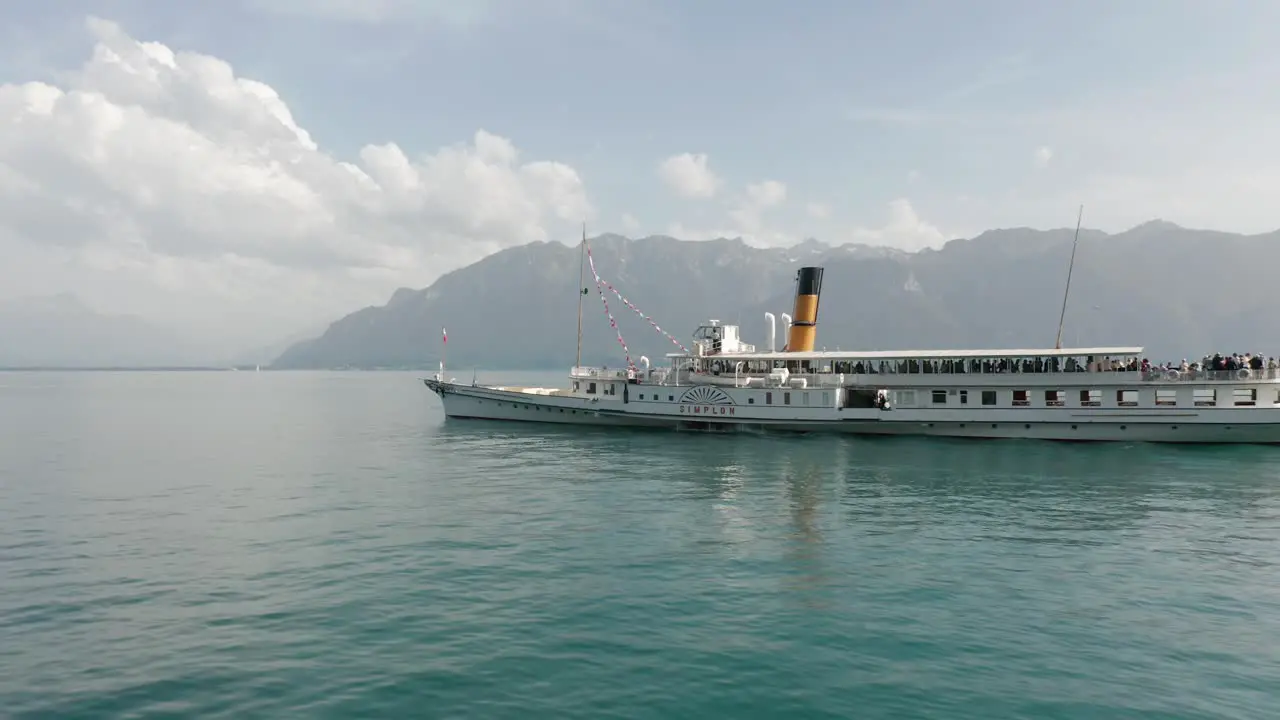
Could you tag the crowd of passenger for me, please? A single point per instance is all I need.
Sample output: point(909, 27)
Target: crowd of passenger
point(1212, 363)
point(1216, 365)
point(1228, 365)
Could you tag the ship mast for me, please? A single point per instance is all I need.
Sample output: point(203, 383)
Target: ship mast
point(1067, 293)
point(582, 291)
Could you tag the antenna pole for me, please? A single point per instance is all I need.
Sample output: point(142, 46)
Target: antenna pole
point(582, 291)
point(1067, 293)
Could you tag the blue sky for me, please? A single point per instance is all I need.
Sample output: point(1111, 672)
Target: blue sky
point(900, 123)
point(850, 104)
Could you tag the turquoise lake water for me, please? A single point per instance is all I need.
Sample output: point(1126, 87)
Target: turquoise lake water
point(326, 545)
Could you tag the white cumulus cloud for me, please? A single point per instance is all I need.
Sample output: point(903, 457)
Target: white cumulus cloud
point(746, 218)
point(748, 214)
point(904, 229)
point(164, 181)
point(688, 175)
point(766, 194)
point(630, 224)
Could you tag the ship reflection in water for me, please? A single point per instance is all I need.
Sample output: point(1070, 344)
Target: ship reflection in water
point(342, 548)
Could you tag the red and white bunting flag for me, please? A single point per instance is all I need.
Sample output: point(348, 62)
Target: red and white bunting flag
point(444, 336)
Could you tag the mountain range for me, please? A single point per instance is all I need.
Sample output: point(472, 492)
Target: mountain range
point(61, 331)
point(1179, 292)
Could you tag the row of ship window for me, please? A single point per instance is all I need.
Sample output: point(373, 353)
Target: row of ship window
point(768, 398)
point(612, 389)
point(1051, 398)
point(609, 388)
point(1201, 397)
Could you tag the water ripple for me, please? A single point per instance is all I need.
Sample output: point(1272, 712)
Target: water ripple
point(322, 545)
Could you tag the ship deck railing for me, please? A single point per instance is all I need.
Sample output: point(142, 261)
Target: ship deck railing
point(1001, 379)
point(1240, 375)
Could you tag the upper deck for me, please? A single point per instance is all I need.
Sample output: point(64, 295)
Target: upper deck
point(1022, 366)
point(830, 356)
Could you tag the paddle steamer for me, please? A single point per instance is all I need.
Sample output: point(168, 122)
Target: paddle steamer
point(723, 383)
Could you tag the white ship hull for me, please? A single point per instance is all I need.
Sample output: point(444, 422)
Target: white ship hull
point(1209, 425)
point(724, 384)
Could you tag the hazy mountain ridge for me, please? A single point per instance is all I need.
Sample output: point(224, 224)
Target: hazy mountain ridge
point(1175, 290)
point(62, 331)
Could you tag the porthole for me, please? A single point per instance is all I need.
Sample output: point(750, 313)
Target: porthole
point(1027, 426)
point(993, 426)
point(1124, 427)
point(1073, 427)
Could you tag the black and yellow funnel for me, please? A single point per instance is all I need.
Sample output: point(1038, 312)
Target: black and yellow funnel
point(804, 322)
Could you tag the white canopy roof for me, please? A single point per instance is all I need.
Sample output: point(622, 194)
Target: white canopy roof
point(855, 355)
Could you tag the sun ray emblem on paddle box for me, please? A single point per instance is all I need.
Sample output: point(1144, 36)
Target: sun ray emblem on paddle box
point(706, 395)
